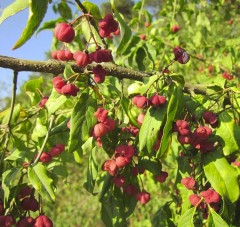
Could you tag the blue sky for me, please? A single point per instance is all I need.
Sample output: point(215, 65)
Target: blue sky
point(34, 49)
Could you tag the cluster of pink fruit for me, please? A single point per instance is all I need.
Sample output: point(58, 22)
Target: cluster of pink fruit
point(64, 32)
point(104, 125)
point(54, 152)
point(199, 138)
point(201, 200)
point(27, 203)
point(122, 158)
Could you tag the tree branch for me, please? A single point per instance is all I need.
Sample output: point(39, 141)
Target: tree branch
point(57, 67)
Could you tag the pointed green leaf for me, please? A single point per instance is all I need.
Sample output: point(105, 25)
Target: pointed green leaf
point(217, 170)
point(82, 121)
point(151, 125)
point(31, 87)
point(39, 178)
point(93, 10)
point(13, 8)
point(37, 10)
point(91, 171)
point(8, 179)
point(215, 220)
point(125, 29)
point(174, 107)
point(229, 133)
point(186, 220)
point(55, 101)
point(152, 164)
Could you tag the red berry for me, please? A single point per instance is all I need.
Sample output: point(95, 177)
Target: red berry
point(130, 190)
point(210, 196)
point(58, 83)
point(175, 28)
point(25, 222)
point(137, 170)
point(194, 199)
point(110, 166)
point(202, 132)
point(69, 90)
point(64, 32)
point(101, 114)
point(45, 157)
point(147, 24)
point(142, 36)
point(210, 117)
point(181, 55)
point(110, 124)
point(42, 221)
point(143, 197)
point(24, 192)
point(7, 221)
point(125, 150)
point(82, 59)
point(183, 127)
point(107, 25)
point(189, 183)
point(43, 102)
point(57, 150)
point(99, 74)
point(54, 54)
point(227, 76)
point(29, 203)
point(99, 130)
point(122, 161)
point(162, 177)
point(157, 100)
point(117, 32)
point(100, 56)
point(119, 181)
point(184, 139)
point(140, 101)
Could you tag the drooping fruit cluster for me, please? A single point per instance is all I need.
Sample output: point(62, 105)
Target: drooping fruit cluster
point(54, 152)
point(26, 202)
point(104, 125)
point(143, 102)
point(107, 26)
point(210, 196)
point(199, 138)
point(227, 76)
point(62, 55)
point(181, 55)
point(64, 88)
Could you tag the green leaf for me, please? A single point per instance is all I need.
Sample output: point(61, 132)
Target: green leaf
point(186, 220)
point(39, 178)
point(151, 125)
point(175, 106)
point(92, 9)
point(229, 133)
point(68, 71)
point(8, 180)
point(82, 121)
point(40, 130)
point(92, 171)
point(86, 31)
point(37, 10)
point(31, 87)
point(162, 217)
point(55, 101)
point(64, 10)
point(152, 164)
point(13, 8)
point(215, 220)
point(217, 170)
point(127, 109)
point(125, 29)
